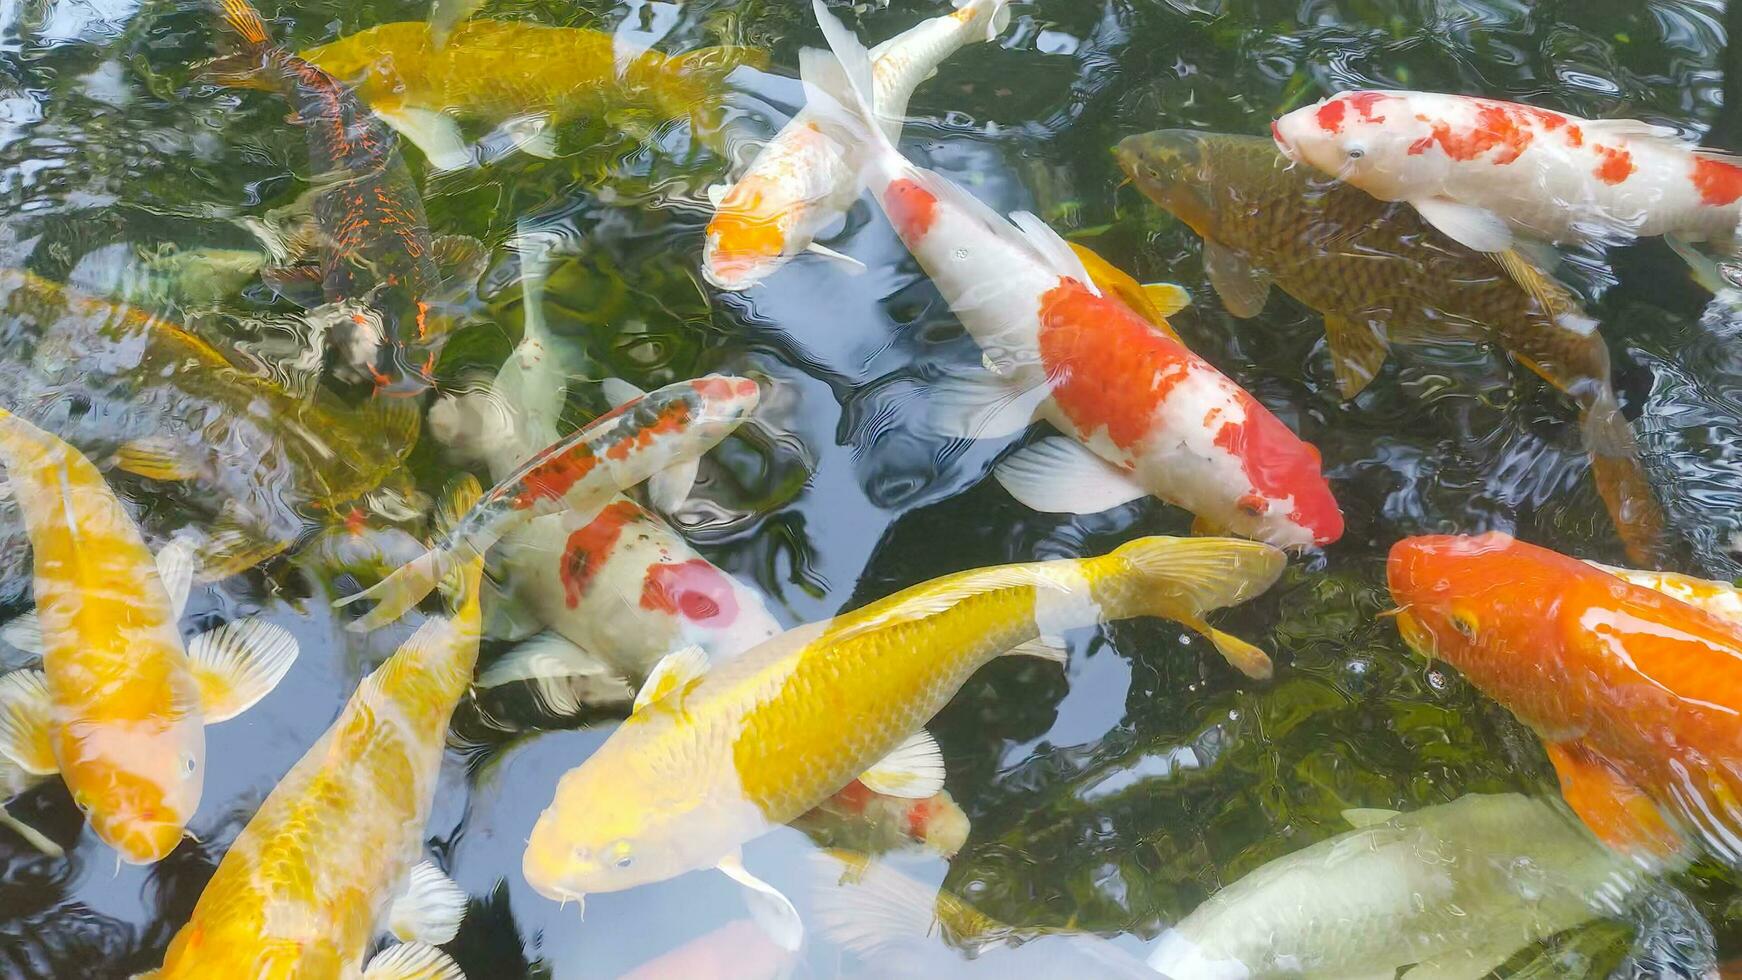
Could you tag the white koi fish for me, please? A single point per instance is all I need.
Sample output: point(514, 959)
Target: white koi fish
point(802, 181)
point(1483, 171)
point(1144, 415)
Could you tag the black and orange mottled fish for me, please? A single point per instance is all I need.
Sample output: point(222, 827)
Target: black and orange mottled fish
point(377, 262)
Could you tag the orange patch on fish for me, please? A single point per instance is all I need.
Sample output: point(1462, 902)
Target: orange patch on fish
point(552, 479)
point(692, 589)
point(1617, 164)
point(912, 209)
point(1719, 183)
point(1497, 126)
point(1109, 368)
point(1330, 116)
point(588, 549)
point(1364, 102)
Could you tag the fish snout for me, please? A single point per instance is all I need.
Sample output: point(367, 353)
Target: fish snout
point(137, 839)
point(1283, 143)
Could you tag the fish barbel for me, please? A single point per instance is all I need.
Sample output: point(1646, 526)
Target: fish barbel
point(661, 436)
point(1481, 171)
point(1635, 694)
point(120, 706)
point(331, 857)
point(1380, 275)
point(713, 758)
point(801, 180)
point(1144, 416)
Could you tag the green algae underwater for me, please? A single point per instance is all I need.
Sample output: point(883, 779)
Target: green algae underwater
point(1111, 799)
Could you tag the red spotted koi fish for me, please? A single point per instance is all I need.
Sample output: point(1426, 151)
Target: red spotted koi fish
point(120, 705)
point(1144, 415)
point(1635, 694)
point(802, 181)
point(331, 858)
point(1483, 171)
point(659, 437)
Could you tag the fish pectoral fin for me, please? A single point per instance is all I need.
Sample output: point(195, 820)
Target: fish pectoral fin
point(1057, 475)
point(670, 487)
point(1358, 351)
point(914, 771)
point(429, 907)
point(434, 133)
point(671, 678)
point(1204, 527)
point(35, 838)
point(156, 459)
point(175, 569)
point(1241, 655)
point(1619, 813)
point(1702, 267)
point(1368, 816)
point(1244, 290)
point(1044, 648)
point(716, 193)
point(619, 392)
point(1468, 225)
point(564, 676)
point(413, 961)
point(772, 910)
point(24, 632)
point(1053, 250)
point(982, 405)
point(847, 262)
point(459, 261)
point(232, 547)
point(237, 664)
point(532, 134)
point(26, 719)
point(1168, 298)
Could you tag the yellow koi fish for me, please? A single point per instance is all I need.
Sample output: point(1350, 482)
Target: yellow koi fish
point(526, 77)
point(712, 759)
point(120, 706)
point(332, 855)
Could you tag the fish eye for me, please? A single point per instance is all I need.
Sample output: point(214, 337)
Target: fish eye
point(620, 855)
point(1356, 153)
point(189, 764)
point(1465, 624)
point(1251, 505)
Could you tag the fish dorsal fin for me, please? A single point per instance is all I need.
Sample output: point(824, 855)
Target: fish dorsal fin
point(26, 712)
point(1052, 249)
point(1368, 816)
point(413, 961)
point(239, 663)
point(429, 908)
point(1636, 129)
point(672, 678)
point(619, 392)
point(670, 487)
point(935, 599)
point(914, 771)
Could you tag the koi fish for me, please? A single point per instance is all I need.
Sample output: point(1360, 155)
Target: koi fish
point(378, 266)
point(1144, 416)
point(168, 277)
point(1453, 889)
point(1634, 693)
point(713, 758)
point(659, 437)
point(1482, 171)
point(120, 706)
point(527, 77)
point(861, 819)
point(801, 181)
point(332, 855)
point(1154, 301)
point(1721, 599)
point(167, 406)
point(1360, 263)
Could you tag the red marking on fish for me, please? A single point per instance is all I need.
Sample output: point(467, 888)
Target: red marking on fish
point(718, 388)
point(1719, 183)
point(1364, 103)
point(1498, 125)
point(1617, 164)
point(919, 817)
point(590, 547)
point(693, 589)
point(671, 419)
point(1330, 116)
point(1109, 368)
point(1575, 137)
point(912, 209)
point(355, 520)
point(854, 797)
point(552, 479)
point(1279, 465)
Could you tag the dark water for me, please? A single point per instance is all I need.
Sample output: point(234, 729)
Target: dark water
point(1111, 800)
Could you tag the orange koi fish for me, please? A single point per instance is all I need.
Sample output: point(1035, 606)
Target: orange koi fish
point(1635, 694)
point(120, 706)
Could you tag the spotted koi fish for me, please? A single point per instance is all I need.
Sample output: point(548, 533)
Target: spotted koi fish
point(861, 819)
point(331, 858)
point(120, 706)
point(378, 265)
point(1635, 694)
point(1144, 415)
point(1482, 171)
point(801, 181)
point(659, 437)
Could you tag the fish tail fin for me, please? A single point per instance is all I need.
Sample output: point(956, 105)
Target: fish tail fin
point(1622, 483)
point(446, 15)
point(244, 21)
point(838, 84)
point(1185, 579)
point(872, 909)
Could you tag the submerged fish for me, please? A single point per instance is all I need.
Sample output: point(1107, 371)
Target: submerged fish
point(802, 180)
point(713, 758)
point(378, 263)
point(861, 819)
point(658, 437)
point(168, 278)
point(1380, 276)
point(1635, 694)
point(120, 706)
point(1481, 170)
point(1144, 415)
point(1450, 891)
point(167, 406)
point(331, 858)
point(527, 77)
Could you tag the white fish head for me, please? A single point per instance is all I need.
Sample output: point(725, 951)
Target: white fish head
point(1373, 140)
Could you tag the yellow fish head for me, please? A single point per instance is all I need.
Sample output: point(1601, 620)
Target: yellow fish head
point(138, 784)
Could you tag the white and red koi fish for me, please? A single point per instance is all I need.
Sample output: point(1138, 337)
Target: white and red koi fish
point(1482, 171)
point(1144, 415)
point(120, 706)
point(803, 180)
point(659, 436)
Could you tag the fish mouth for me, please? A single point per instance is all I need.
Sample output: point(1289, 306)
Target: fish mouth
point(1282, 142)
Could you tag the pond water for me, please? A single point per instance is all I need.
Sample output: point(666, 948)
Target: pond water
point(1107, 800)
